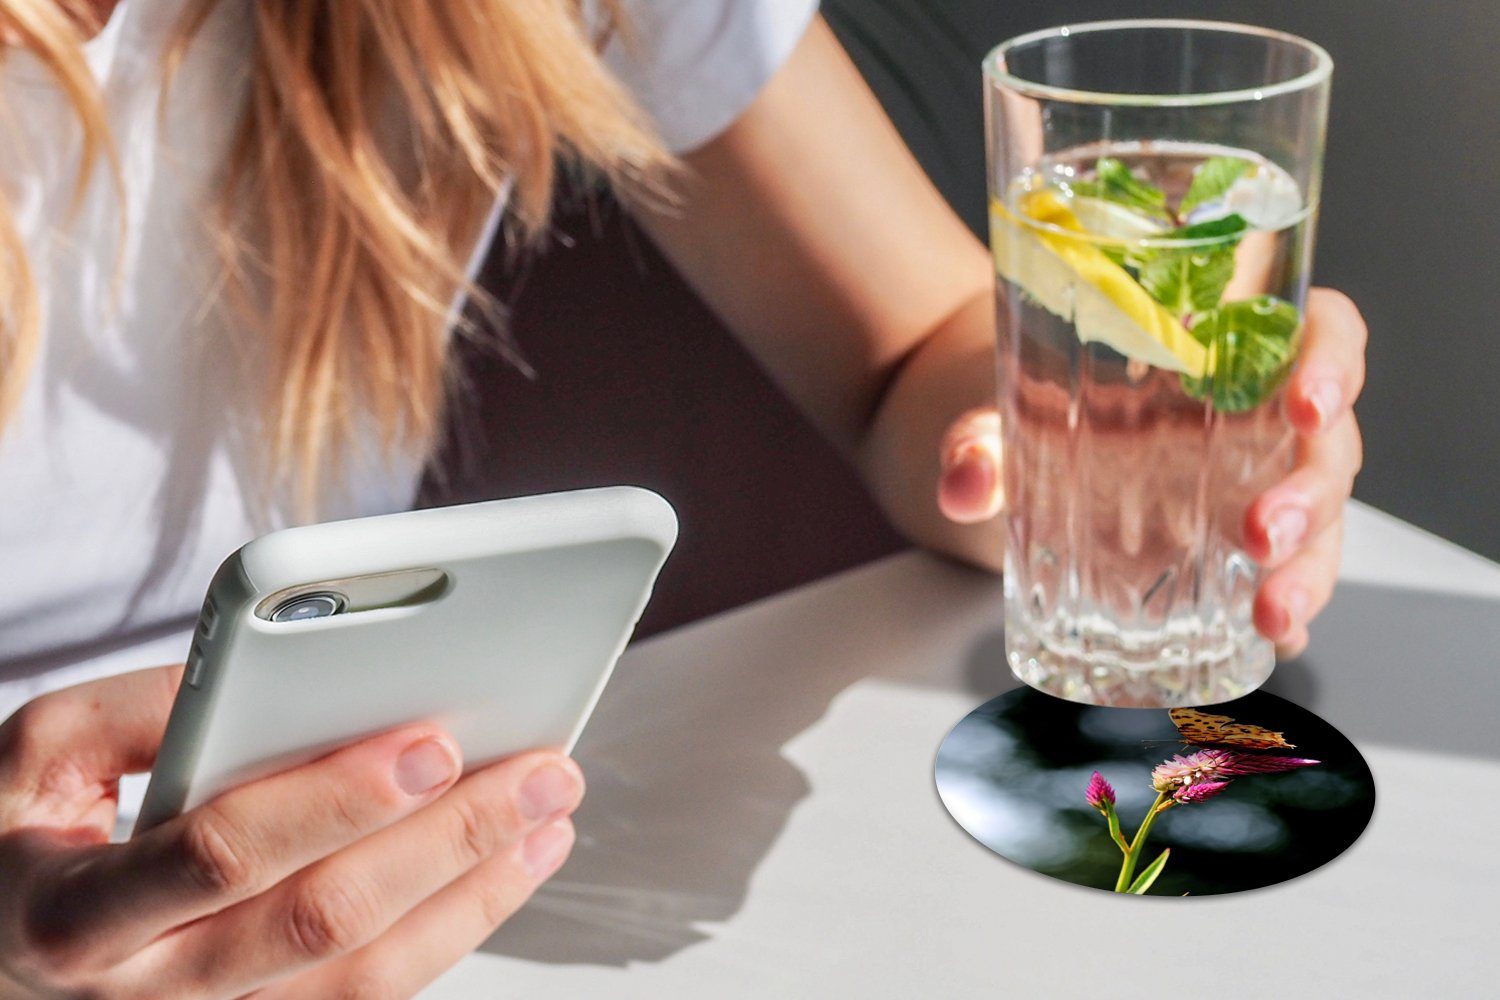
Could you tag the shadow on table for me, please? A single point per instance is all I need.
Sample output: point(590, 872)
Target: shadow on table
point(1403, 667)
point(688, 785)
point(1387, 665)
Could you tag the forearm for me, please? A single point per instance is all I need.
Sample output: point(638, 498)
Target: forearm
point(814, 234)
point(949, 373)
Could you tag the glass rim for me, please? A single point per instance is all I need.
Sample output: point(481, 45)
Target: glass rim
point(1322, 65)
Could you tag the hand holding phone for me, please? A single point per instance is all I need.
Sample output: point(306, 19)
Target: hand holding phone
point(498, 621)
point(373, 863)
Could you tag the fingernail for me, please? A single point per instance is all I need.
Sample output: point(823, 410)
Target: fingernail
point(1286, 530)
point(971, 469)
point(549, 790)
point(424, 765)
point(1297, 603)
point(968, 452)
point(972, 478)
point(545, 850)
point(1325, 396)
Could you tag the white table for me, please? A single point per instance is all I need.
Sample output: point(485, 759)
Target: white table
point(761, 820)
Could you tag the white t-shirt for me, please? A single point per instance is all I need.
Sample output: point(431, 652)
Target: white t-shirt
point(123, 478)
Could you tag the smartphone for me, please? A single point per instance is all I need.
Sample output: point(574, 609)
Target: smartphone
point(500, 621)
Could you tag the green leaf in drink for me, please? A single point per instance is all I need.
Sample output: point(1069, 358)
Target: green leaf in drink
point(1250, 347)
point(1212, 181)
point(1192, 279)
point(1113, 181)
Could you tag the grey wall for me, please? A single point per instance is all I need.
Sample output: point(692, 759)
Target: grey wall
point(1409, 222)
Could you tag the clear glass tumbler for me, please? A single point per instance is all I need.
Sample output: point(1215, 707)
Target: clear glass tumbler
point(1153, 188)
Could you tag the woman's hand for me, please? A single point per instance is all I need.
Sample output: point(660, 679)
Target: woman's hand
point(376, 865)
point(1295, 529)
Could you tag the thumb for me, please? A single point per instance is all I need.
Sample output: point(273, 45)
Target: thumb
point(970, 487)
point(104, 728)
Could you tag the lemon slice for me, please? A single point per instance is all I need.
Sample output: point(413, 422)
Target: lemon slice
point(1106, 218)
point(1075, 280)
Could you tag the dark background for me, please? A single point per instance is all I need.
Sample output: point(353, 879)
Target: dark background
point(1023, 761)
point(636, 381)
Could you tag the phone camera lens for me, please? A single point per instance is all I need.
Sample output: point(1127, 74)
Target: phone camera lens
point(305, 606)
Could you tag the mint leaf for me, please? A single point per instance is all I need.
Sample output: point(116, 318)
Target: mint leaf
point(1187, 283)
point(1250, 348)
point(1192, 279)
point(1114, 182)
point(1215, 229)
point(1211, 180)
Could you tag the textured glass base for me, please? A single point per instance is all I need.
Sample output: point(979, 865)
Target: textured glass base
point(1161, 679)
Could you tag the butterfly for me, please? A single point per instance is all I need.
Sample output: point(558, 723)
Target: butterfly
point(1205, 730)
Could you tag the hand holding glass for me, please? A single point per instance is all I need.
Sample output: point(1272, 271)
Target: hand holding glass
point(1153, 189)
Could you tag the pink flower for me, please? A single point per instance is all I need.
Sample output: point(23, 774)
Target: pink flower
point(1244, 763)
point(1099, 792)
point(1180, 771)
point(1197, 793)
point(1203, 774)
point(1211, 765)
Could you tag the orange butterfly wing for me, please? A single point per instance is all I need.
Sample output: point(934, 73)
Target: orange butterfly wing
point(1206, 730)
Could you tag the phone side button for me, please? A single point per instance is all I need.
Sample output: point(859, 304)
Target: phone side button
point(194, 673)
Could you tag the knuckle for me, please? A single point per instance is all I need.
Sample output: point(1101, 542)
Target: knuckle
point(352, 796)
point(346, 814)
point(1341, 305)
point(480, 826)
point(1335, 298)
point(1359, 331)
point(23, 736)
point(1356, 450)
point(214, 855)
point(327, 917)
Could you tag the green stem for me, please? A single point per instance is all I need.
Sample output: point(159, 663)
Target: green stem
point(1133, 854)
point(1113, 819)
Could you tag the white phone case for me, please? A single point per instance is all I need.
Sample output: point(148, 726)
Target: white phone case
point(538, 596)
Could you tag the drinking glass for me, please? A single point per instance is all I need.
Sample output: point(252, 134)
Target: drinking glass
point(1153, 188)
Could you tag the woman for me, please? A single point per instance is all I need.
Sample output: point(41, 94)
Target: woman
point(233, 237)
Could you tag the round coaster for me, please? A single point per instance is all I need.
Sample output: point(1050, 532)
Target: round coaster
point(1180, 802)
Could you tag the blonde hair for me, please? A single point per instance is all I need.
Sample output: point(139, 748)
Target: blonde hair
point(345, 256)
